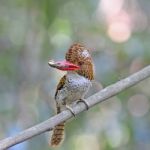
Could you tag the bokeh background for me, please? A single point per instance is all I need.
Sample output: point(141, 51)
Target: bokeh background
point(118, 34)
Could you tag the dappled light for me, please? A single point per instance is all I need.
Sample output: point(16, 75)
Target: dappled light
point(117, 33)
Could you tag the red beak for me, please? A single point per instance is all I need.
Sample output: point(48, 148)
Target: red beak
point(63, 65)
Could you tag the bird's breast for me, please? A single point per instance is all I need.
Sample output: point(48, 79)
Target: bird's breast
point(77, 84)
point(75, 88)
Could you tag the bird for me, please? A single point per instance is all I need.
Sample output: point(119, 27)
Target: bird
point(74, 85)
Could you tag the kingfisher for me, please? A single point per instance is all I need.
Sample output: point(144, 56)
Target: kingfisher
point(74, 85)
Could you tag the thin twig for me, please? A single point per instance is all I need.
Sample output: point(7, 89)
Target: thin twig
point(49, 124)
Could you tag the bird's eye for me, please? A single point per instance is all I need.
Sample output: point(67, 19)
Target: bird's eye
point(80, 63)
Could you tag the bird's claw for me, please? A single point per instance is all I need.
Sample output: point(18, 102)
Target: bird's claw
point(85, 102)
point(78, 101)
point(71, 110)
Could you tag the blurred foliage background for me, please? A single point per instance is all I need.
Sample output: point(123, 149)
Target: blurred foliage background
point(34, 31)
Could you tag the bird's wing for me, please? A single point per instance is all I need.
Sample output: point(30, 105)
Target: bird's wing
point(60, 84)
point(59, 87)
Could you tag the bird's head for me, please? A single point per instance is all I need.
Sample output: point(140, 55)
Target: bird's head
point(78, 59)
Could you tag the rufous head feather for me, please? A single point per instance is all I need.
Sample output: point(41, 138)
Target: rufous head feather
point(80, 56)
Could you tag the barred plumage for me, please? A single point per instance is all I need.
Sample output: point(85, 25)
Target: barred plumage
point(58, 133)
point(74, 85)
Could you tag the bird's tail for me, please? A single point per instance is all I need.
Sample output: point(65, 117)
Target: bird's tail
point(58, 133)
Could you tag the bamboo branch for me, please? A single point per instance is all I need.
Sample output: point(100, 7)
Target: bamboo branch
point(49, 124)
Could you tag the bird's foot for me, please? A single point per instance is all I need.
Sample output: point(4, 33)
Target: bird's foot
point(71, 110)
point(85, 102)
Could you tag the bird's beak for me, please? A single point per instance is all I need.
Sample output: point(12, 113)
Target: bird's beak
point(63, 65)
